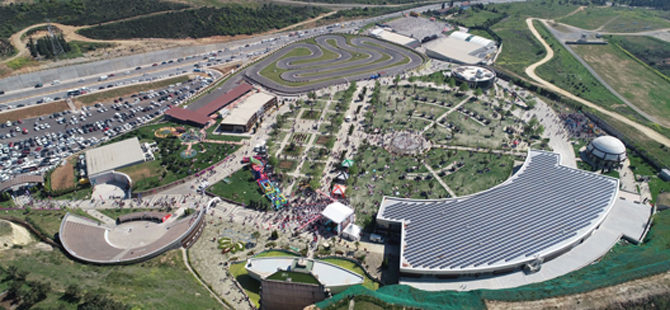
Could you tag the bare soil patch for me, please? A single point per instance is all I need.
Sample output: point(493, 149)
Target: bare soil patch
point(613, 297)
point(286, 164)
point(63, 176)
point(34, 111)
point(322, 140)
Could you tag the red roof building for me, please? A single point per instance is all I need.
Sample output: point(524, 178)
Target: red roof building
point(187, 116)
point(224, 100)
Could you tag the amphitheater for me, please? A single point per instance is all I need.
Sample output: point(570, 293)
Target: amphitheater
point(135, 237)
point(332, 59)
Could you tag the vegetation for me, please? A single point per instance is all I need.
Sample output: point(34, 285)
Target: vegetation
point(661, 5)
point(242, 188)
point(42, 47)
point(124, 91)
point(650, 50)
point(648, 91)
point(349, 265)
point(232, 20)
point(50, 280)
point(14, 17)
point(613, 19)
point(366, 12)
point(375, 2)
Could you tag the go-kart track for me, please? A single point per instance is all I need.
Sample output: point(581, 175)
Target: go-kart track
point(358, 59)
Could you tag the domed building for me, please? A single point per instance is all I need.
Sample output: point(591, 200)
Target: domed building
point(606, 152)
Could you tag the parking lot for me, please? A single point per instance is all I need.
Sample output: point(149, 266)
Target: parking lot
point(35, 145)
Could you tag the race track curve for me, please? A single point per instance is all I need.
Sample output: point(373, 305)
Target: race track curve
point(377, 56)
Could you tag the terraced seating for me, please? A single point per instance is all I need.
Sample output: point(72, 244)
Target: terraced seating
point(175, 230)
point(142, 216)
point(88, 241)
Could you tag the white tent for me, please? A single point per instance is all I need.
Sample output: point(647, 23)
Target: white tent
point(339, 214)
point(352, 232)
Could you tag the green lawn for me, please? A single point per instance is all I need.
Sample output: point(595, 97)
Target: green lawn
point(620, 20)
point(251, 287)
point(480, 172)
point(242, 188)
point(47, 221)
point(367, 282)
point(656, 185)
point(275, 253)
point(475, 17)
point(650, 50)
point(158, 283)
point(313, 169)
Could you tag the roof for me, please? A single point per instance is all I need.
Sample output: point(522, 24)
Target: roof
point(542, 209)
point(21, 179)
point(337, 212)
point(328, 274)
point(473, 73)
point(292, 276)
point(352, 230)
point(607, 148)
point(225, 99)
point(464, 36)
point(114, 156)
point(461, 51)
point(242, 112)
point(396, 38)
point(187, 116)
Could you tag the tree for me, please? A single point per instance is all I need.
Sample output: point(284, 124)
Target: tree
point(478, 92)
point(256, 235)
point(357, 244)
point(464, 88)
point(311, 95)
point(396, 80)
point(71, 293)
point(274, 235)
point(451, 82)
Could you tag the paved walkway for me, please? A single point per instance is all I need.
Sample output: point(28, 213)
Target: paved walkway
point(439, 179)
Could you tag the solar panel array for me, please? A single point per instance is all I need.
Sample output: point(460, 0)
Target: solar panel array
point(542, 206)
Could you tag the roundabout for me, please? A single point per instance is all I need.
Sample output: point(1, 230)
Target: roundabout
point(329, 60)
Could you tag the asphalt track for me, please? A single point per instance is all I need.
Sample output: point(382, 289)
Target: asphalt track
point(339, 70)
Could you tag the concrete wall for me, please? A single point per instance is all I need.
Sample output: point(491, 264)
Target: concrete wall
point(279, 295)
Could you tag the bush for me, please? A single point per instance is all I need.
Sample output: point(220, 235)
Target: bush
point(230, 19)
point(270, 245)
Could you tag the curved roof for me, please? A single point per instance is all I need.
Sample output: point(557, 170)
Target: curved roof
point(472, 39)
point(607, 148)
point(328, 274)
point(89, 241)
point(21, 179)
point(539, 211)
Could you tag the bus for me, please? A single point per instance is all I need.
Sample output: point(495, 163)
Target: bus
point(73, 92)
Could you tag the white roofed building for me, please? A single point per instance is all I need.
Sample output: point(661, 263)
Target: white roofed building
point(463, 36)
point(337, 217)
point(396, 38)
point(606, 151)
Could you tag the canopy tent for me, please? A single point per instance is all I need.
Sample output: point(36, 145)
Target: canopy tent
point(337, 212)
point(352, 232)
point(338, 190)
point(347, 163)
point(342, 177)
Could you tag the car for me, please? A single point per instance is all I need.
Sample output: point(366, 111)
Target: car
point(2, 92)
point(38, 85)
point(138, 68)
point(155, 65)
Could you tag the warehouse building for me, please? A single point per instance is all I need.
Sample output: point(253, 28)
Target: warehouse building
point(242, 116)
point(463, 48)
point(114, 156)
point(396, 38)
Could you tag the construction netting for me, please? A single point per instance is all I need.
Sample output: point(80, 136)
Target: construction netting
point(623, 263)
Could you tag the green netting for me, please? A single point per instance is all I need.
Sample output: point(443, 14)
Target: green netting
point(624, 262)
point(411, 297)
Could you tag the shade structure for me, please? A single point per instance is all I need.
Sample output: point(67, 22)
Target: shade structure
point(347, 163)
point(338, 190)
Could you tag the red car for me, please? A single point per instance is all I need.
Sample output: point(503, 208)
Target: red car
point(154, 65)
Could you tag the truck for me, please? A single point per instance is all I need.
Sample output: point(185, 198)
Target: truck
point(103, 77)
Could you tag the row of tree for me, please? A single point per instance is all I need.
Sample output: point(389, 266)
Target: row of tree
point(367, 12)
point(43, 46)
point(231, 19)
point(656, 4)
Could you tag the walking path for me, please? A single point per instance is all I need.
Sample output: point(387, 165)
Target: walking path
point(446, 113)
point(437, 177)
point(184, 256)
point(530, 71)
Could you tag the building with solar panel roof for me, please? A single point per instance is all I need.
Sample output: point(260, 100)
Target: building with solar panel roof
point(538, 214)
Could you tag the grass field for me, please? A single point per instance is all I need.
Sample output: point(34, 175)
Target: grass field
point(566, 72)
point(647, 91)
point(155, 284)
point(242, 188)
point(251, 287)
point(346, 264)
point(620, 20)
point(475, 17)
point(480, 172)
point(650, 50)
